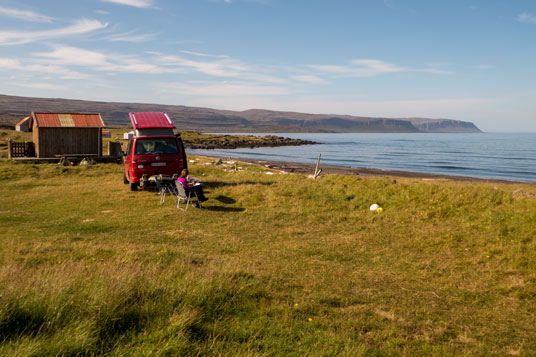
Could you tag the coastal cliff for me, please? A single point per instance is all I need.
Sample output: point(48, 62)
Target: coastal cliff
point(213, 120)
point(444, 126)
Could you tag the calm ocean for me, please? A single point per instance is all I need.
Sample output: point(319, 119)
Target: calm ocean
point(497, 156)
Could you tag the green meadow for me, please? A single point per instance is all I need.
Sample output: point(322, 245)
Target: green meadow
point(276, 264)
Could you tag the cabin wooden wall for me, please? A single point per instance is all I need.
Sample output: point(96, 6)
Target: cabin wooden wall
point(52, 141)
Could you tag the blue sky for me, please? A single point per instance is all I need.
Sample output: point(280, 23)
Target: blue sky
point(458, 59)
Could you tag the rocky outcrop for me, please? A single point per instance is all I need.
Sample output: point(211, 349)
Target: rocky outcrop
point(228, 142)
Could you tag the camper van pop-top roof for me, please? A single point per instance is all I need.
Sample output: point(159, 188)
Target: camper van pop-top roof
point(151, 123)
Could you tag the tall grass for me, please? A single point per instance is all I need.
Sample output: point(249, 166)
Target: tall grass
point(275, 265)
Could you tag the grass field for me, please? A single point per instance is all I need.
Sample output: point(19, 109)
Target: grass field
point(275, 265)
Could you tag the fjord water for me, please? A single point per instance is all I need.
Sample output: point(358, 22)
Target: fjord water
point(489, 155)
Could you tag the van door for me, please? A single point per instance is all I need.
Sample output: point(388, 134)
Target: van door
point(128, 160)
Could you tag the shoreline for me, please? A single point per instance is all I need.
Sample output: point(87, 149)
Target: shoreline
point(308, 169)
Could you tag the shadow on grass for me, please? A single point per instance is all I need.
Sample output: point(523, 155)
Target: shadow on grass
point(223, 209)
point(216, 184)
point(225, 199)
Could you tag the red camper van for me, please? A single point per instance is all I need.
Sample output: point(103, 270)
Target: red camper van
point(154, 149)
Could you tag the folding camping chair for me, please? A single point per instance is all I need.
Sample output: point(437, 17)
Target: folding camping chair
point(182, 196)
point(164, 187)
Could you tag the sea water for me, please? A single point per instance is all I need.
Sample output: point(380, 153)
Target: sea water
point(488, 155)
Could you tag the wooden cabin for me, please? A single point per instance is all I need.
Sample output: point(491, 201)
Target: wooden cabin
point(63, 134)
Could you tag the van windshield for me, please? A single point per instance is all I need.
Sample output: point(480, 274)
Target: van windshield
point(156, 146)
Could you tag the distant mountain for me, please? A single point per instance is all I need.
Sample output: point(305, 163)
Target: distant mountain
point(213, 120)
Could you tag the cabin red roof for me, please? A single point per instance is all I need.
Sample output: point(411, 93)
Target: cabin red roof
point(150, 120)
point(68, 120)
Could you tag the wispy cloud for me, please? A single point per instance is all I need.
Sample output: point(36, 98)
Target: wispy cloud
point(131, 36)
point(82, 26)
point(40, 85)
point(225, 67)
point(97, 61)
point(223, 89)
point(221, 66)
point(134, 3)
point(136, 65)
point(373, 67)
point(25, 15)
point(527, 18)
point(308, 79)
point(368, 68)
point(67, 55)
point(60, 72)
point(199, 54)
